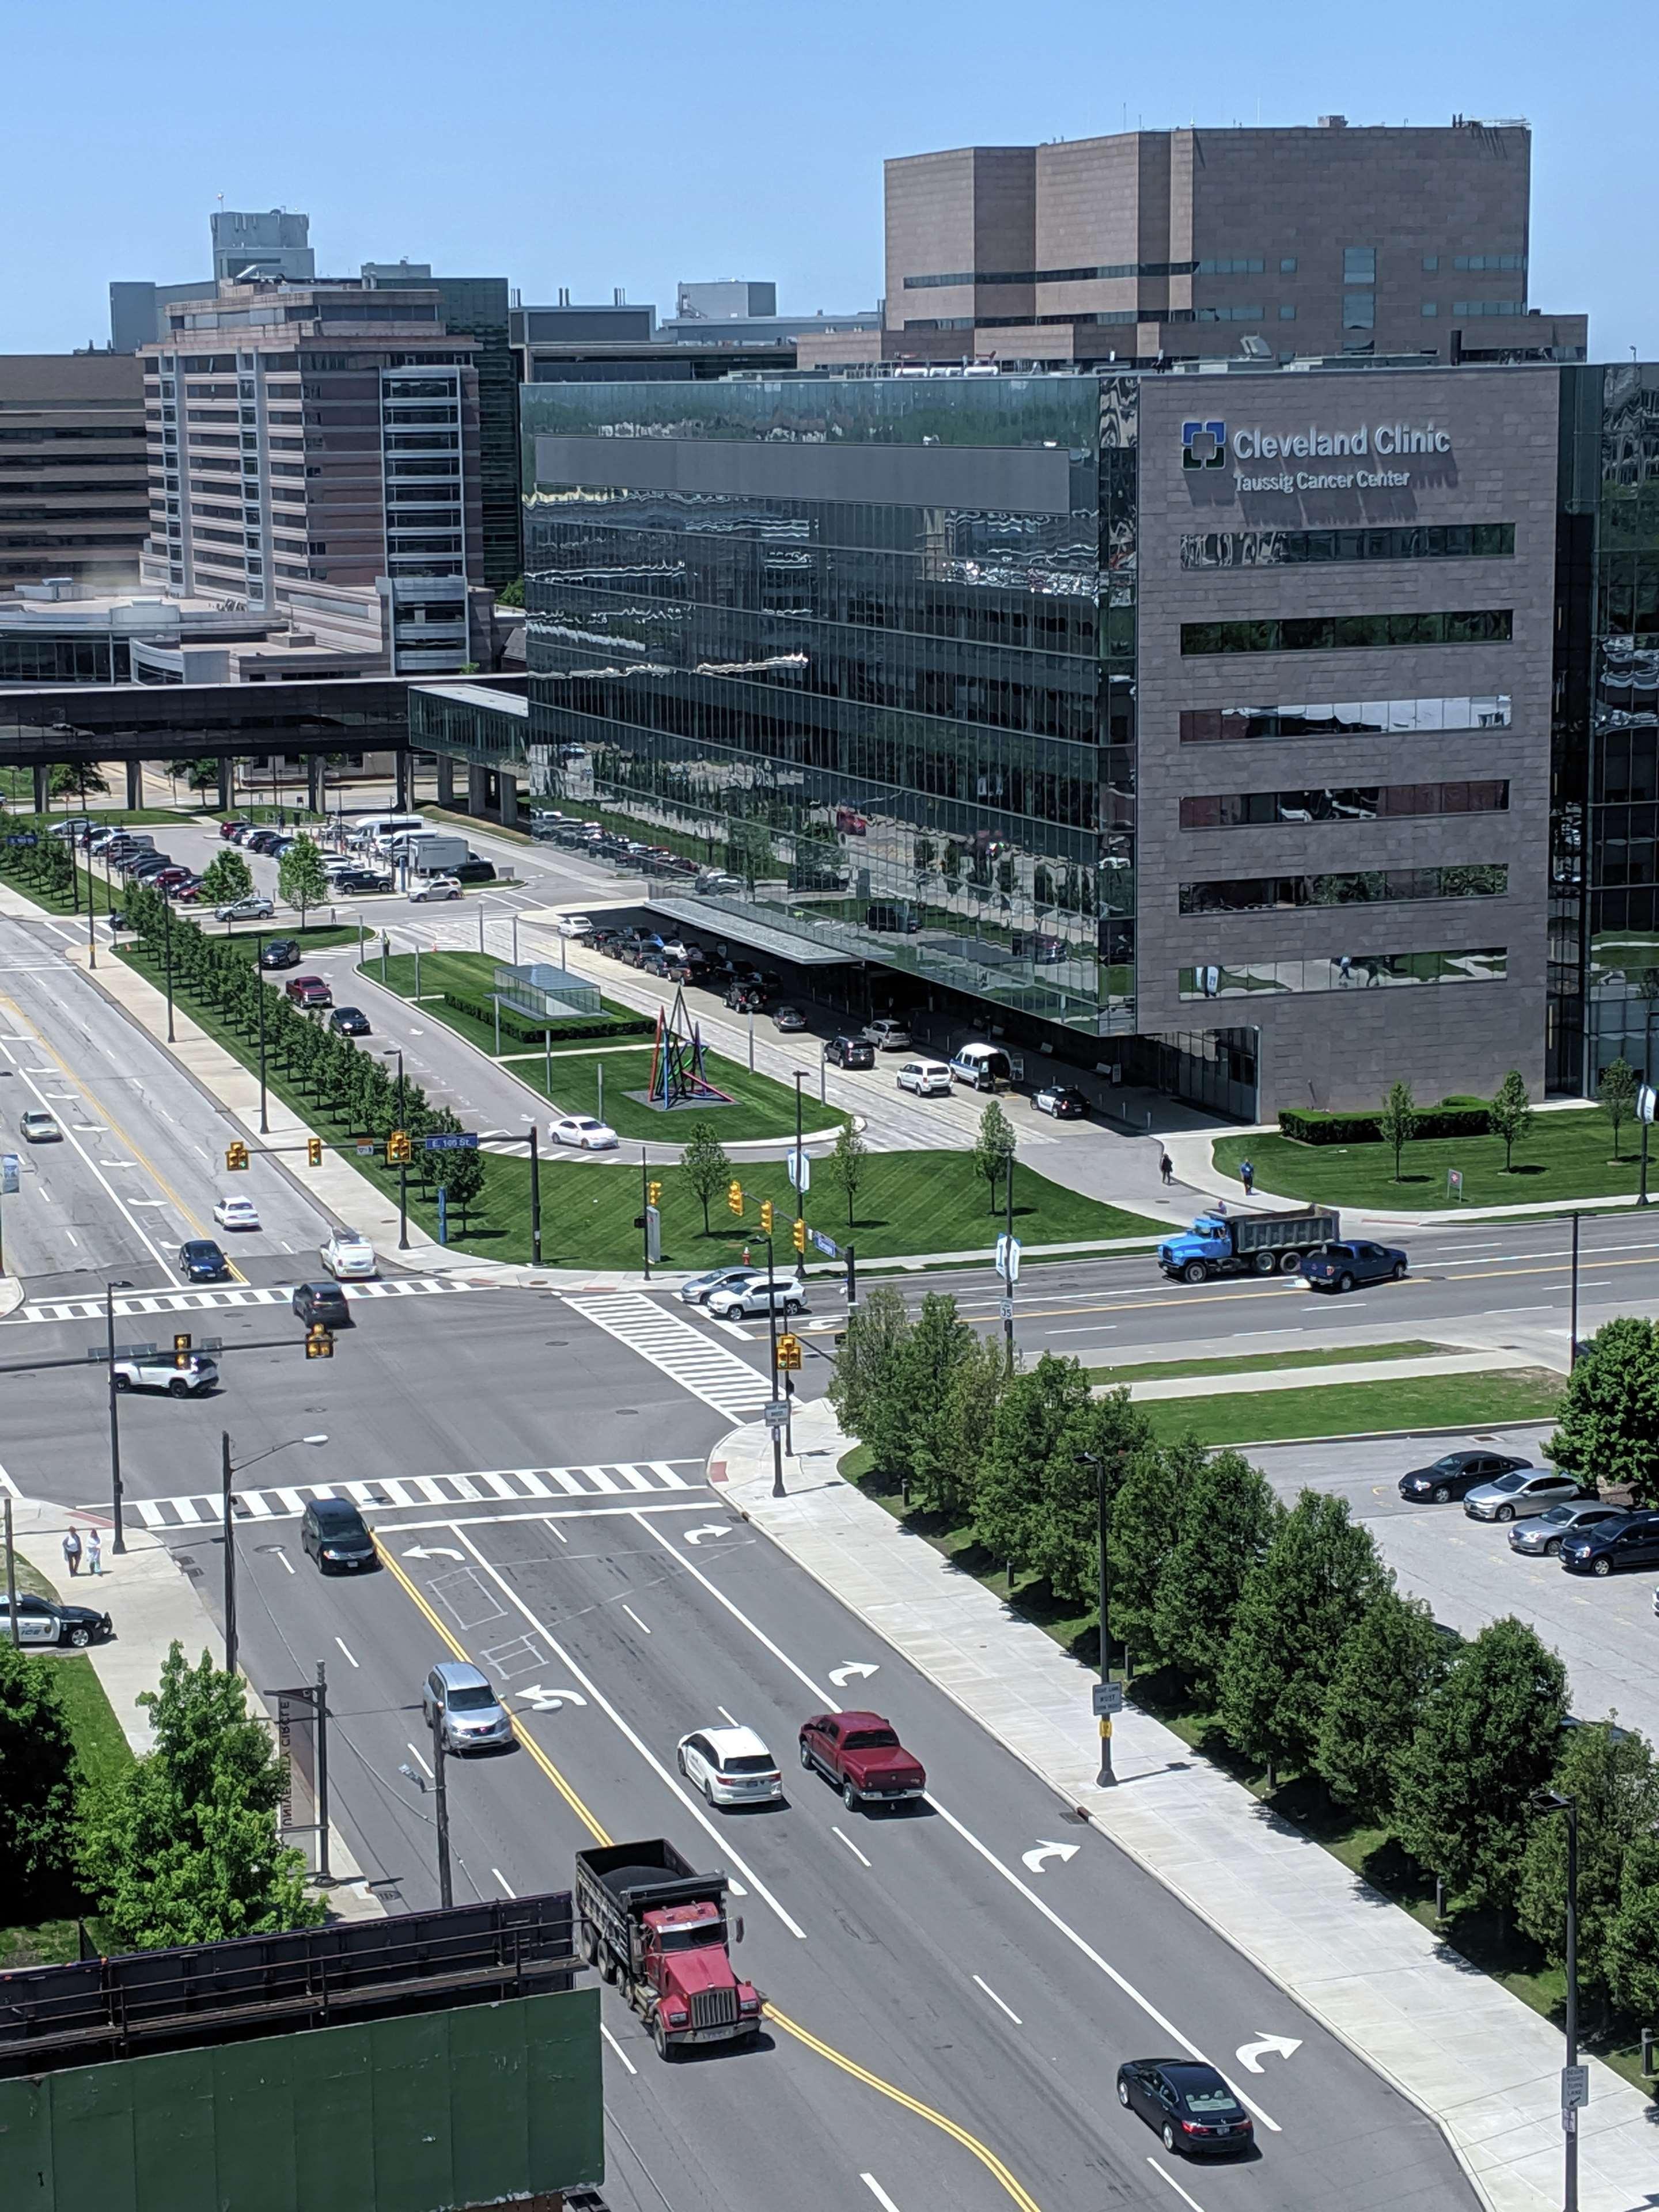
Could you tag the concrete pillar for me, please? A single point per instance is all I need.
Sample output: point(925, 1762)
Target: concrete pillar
point(477, 789)
point(405, 764)
point(42, 789)
point(510, 790)
point(227, 783)
point(446, 780)
point(135, 786)
point(316, 793)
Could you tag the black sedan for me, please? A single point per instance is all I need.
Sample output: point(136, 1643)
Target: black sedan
point(1632, 1541)
point(1187, 2102)
point(200, 1260)
point(1454, 1475)
point(281, 953)
point(1063, 1100)
point(350, 1021)
point(1342, 1266)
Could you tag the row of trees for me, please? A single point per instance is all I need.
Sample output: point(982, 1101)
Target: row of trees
point(349, 1087)
point(1509, 1116)
point(178, 1847)
point(1281, 1622)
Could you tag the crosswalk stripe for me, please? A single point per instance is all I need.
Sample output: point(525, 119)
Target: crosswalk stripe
point(241, 1294)
point(500, 1484)
point(429, 1491)
point(665, 1473)
point(187, 1510)
point(489, 1485)
point(533, 1482)
point(566, 1480)
point(149, 1512)
point(600, 1479)
point(397, 1493)
point(632, 1476)
point(256, 1503)
point(677, 1350)
point(463, 1488)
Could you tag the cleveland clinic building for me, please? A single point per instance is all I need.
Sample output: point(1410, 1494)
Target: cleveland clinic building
point(1266, 733)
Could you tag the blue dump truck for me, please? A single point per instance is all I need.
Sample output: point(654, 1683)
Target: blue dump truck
point(1248, 1243)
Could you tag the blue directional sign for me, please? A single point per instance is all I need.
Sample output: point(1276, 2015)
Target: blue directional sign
point(827, 1245)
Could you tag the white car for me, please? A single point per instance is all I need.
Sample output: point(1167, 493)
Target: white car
point(575, 925)
point(787, 1294)
point(39, 1127)
point(730, 1766)
point(582, 1130)
point(434, 887)
point(235, 1213)
point(245, 910)
point(928, 1078)
point(348, 1256)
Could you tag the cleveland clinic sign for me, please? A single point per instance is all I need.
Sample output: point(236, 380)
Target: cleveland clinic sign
point(1204, 446)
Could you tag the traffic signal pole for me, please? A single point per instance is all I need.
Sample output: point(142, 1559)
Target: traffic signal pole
point(535, 1198)
point(778, 1490)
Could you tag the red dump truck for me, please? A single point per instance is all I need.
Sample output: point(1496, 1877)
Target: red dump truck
point(657, 1928)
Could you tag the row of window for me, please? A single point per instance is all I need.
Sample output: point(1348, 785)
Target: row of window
point(1345, 971)
point(1331, 633)
point(1367, 802)
point(1275, 549)
point(1346, 718)
point(1355, 887)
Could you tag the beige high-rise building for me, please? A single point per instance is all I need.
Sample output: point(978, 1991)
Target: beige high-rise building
point(72, 473)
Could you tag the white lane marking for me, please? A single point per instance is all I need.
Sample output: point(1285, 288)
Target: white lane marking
point(503, 1880)
point(878, 2192)
point(695, 1537)
point(1249, 2054)
point(677, 1350)
point(996, 2000)
point(345, 1648)
point(759, 1634)
point(729, 1718)
point(1109, 1330)
point(28, 1075)
point(1173, 2183)
point(1037, 1859)
point(635, 1617)
point(617, 2048)
point(285, 1559)
point(597, 1697)
point(850, 1844)
point(421, 1762)
point(862, 1667)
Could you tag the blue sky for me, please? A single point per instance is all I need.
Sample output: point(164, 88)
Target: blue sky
point(630, 142)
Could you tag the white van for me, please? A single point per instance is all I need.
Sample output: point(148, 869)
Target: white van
point(373, 830)
point(983, 1066)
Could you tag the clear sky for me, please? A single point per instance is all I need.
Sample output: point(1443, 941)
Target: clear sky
point(632, 142)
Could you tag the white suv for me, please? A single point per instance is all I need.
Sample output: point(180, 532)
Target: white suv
point(348, 1256)
point(742, 1300)
point(928, 1078)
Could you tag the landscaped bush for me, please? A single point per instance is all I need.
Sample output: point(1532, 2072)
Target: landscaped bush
point(528, 1030)
point(1452, 1117)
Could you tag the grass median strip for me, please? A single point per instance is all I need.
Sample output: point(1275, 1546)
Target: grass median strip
point(1567, 1153)
point(1406, 1402)
point(1170, 1371)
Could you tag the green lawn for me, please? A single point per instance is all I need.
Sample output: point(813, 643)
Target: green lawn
point(1407, 1403)
point(1568, 1154)
point(1162, 1370)
point(103, 1751)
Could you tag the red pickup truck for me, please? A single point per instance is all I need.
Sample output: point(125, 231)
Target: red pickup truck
point(861, 1754)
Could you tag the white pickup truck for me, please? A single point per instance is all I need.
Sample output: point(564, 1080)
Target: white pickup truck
point(156, 1370)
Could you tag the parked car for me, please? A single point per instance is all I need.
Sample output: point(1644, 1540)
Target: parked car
point(730, 1766)
point(1063, 1100)
point(1631, 1540)
point(697, 1289)
point(457, 1699)
point(1540, 1536)
point(861, 1754)
point(308, 991)
point(432, 889)
point(850, 1052)
point(350, 1021)
point(788, 1018)
point(746, 998)
point(349, 1256)
point(39, 1127)
point(575, 925)
point(324, 1301)
point(1454, 1475)
point(229, 827)
point(160, 1370)
point(186, 893)
point(888, 1035)
point(353, 883)
point(927, 1078)
point(235, 1213)
point(584, 1132)
point(787, 1293)
point(254, 909)
point(201, 1261)
point(1341, 1267)
point(1522, 1491)
point(42, 1621)
point(169, 879)
point(281, 953)
point(336, 1536)
point(1188, 2103)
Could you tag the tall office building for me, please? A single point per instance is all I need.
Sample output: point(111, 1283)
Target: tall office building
point(319, 434)
point(275, 245)
point(1151, 245)
point(73, 499)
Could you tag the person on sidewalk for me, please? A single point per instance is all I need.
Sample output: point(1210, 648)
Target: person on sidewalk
point(94, 1552)
point(72, 1551)
point(1247, 1176)
point(1166, 1170)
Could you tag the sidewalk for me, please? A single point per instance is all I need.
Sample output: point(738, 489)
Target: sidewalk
point(154, 1605)
point(1467, 2053)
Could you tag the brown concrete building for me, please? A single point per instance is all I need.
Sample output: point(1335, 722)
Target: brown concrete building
point(72, 470)
point(1153, 246)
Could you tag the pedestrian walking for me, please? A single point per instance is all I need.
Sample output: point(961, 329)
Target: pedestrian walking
point(72, 1551)
point(1247, 1176)
point(94, 1552)
point(1166, 1168)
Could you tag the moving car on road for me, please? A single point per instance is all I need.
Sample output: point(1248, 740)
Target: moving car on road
point(41, 1621)
point(201, 1261)
point(281, 953)
point(336, 1536)
point(730, 1766)
point(788, 1018)
point(1631, 1540)
point(785, 1292)
point(861, 1754)
point(1540, 1536)
point(309, 991)
point(159, 1370)
point(468, 1715)
point(349, 1021)
point(1063, 1100)
point(1187, 2102)
point(253, 909)
point(1341, 1267)
point(850, 1052)
point(235, 1213)
point(1454, 1475)
point(927, 1078)
point(324, 1301)
point(657, 1928)
point(1522, 1491)
point(584, 1132)
point(697, 1289)
point(349, 1256)
point(433, 888)
point(39, 1127)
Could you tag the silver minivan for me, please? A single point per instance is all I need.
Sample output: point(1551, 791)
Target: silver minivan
point(457, 1699)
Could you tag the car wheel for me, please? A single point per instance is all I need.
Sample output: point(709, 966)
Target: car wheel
point(1169, 2138)
point(1265, 1263)
point(659, 2033)
point(1443, 1496)
point(849, 1796)
point(1195, 1272)
point(793, 1306)
point(1344, 1282)
point(122, 1382)
point(679, 1761)
point(709, 1793)
point(805, 1755)
point(1399, 1271)
point(80, 1638)
point(1504, 1513)
point(1123, 2094)
point(178, 1388)
point(1601, 1567)
point(1552, 1548)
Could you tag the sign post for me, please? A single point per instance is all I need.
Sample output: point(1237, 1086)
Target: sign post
point(1455, 1184)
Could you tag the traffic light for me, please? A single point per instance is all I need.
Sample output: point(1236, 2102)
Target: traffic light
point(789, 1354)
point(398, 1150)
point(181, 1349)
point(734, 1197)
point(313, 1152)
point(653, 1193)
point(766, 1217)
point(320, 1341)
point(798, 1236)
point(236, 1155)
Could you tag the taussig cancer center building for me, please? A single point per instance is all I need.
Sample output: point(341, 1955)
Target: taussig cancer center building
point(1268, 736)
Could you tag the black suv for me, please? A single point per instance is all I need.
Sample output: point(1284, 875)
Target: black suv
point(850, 1052)
point(336, 1536)
point(1630, 1541)
point(281, 953)
point(324, 1301)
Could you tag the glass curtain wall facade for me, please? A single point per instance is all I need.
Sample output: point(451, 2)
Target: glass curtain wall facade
point(1604, 865)
point(783, 624)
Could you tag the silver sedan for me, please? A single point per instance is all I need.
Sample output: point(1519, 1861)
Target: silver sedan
point(1521, 1493)
point(1541, 1537)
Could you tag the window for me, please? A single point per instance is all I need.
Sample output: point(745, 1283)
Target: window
point(1430, 263)
point(1344, 971)
point(1430, 308)
point(1489, 307)
point(1480, 261)
point(1349, 718)
point(1287, 314)
point(1359, 264)
point(1358, 311)
point(1229, 315)
point(1370, 886)
point(1365, 802)
point(1276, 549)
point(1287, 265)
point(1240, 265)
point(1326, 632)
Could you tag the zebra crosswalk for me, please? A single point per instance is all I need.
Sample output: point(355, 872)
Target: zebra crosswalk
point(511, 1485)
point(685, 1354)
point(234, 1294)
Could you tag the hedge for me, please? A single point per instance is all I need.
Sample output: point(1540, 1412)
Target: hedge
point(528, 1030)
point(1452, 1117)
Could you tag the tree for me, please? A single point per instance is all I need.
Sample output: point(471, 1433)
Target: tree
point(198, 774)
point(1632, 1953)
point(300, 877)
point(862, 1392)
point(77, 778)
point(848, 1163)
point(1397, 1123)
point(1227, 1522)
point(936, 1343)
point(1608, 1428)
point(1320, 1574)
point(1146, 1524)
point(1098, 1438)
point(462, 1174)
point(705, 1165)
point(511, 595)
point(966, 1424)
point(182, 1847)
point(39, 1777)
point(1018, 1513)
point(1615, 1087)
point(1615, 1778)
point(1388, 1663)
point(1509, 1114)
point(1485, 1746)
point(227, 878)
point(994, 1148)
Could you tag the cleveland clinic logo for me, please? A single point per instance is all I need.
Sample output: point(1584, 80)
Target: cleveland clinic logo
point(1203, 445)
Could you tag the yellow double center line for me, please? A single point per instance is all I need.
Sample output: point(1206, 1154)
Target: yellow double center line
point(986, 2157)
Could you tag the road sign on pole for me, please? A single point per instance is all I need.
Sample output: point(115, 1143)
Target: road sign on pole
point(1008, 1259)
point(1646, 1099)
point(1108, 1700)
point(462, 1141)
point(654, 1233)
point(777, 1415)
point(1575, 2088)
point(800, 1166)
point(11, 1172)
point(1005, 1309)
point(1455, 1184)
point(827, 1245)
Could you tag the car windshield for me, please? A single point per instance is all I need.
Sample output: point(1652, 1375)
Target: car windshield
point(1560, 1513)
point(1209, 2100)
point(748, 1763)
point(1452, 1463)
point(1511, 1481)
point(872, 1739)
point(476, 1700)
point(705, 1935)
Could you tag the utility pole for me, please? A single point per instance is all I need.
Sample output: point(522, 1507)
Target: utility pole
point(395, 1052)
point(1548, 1801)
point(1572, 1339)
point(1104, 1601)
point(801, 1075)
point(259, 977)
point(645, 1211)
point(1008, 1272)
point(117, 1539)
point(535, 1200)
point(446, 1888)
point(225, 1474)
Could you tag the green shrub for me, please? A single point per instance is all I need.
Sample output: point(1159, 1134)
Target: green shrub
point(1452, 1117)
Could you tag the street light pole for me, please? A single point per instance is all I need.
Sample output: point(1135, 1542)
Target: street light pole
point(118, 1539)
point(1572, 1340)
point(395, 1052)
point(1008, 1272)
point(227, 1473)
point(1104, 1600)
point(1549, 1800)
point(535, 1200)
point(446, 1888)
point(259, 977)
point(166, 955)
point(778, 1490)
